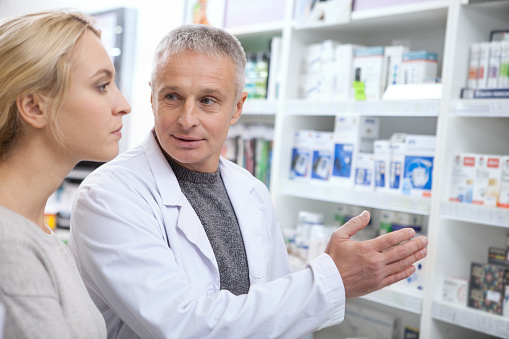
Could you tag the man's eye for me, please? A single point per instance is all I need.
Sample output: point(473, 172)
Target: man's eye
point(208, 101)
point(170, 97)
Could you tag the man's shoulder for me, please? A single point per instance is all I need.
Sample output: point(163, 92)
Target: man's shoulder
point(129, 166)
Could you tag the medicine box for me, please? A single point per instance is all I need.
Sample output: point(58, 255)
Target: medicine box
point(323, 144)
point(398, 150)
point(418, 167)
point(364, 171)
point(368, 62)
point(473, 64)
point(503, 197)
point(487, 287)
point(487, 180)
point(454, 290)
point(484, 62)
point(344, 71)
point(419, 67)
point(382, 159)
point(494, 64)
point(352, 134)
point(462, 178)
point(393, 57)
point(300, 167)
point(503, 76)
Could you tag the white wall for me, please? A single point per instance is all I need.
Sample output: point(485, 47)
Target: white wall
point(155, 18)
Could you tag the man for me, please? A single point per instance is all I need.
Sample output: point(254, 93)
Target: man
point(174, 241)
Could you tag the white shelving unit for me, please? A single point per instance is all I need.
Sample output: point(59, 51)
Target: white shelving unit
point(458, 234)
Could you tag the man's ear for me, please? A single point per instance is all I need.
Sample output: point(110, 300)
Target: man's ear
point(238, 108)
point(32, 109)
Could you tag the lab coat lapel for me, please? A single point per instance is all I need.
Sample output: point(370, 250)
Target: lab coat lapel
point(250, 218)
point(172, 197)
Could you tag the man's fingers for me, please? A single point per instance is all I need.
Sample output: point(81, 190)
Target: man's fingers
point(386, 241)
point(354, 225)
point(407, 249)
point(404, 263)
point(398, 276)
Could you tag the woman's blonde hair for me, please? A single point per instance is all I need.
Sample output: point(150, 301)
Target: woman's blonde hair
point(35, 57)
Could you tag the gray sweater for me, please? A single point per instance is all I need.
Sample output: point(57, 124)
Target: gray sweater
point(208, 197)
point(40, 286)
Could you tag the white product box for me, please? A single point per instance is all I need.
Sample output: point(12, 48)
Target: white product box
point(323, 147)
point(487, 180)
point(393, 57)
point(312, 57)
point(300, 167)
point(503, 76)
point(503, 197)
point(416, 280)
point(352, 135)
point(484, 62)
point(319, 236)
point(382, 160)
point(418, 168)
point(462, 178)
point(327, 73)
point(473, 64)
point(369, 61)
point(419, 67)
point(494, 65)
point(309, 87)
point(455, 290)
point(398, 151)
point(364, 168)
point(343, 70)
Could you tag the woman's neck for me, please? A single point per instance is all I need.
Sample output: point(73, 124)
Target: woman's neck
point(28, 177)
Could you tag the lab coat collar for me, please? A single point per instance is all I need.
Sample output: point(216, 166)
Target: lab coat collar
point(164, 177)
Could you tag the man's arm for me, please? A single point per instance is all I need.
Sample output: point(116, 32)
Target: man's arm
point(368, 266)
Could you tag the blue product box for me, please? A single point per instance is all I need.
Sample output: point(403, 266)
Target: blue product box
point(343, 154)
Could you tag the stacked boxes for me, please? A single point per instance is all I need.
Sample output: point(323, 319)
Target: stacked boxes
point(480, 179)
point(487, 287)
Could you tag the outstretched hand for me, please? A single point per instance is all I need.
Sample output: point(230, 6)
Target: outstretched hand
point(367, 266)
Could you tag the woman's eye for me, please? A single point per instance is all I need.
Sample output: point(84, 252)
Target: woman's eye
point(102, 88)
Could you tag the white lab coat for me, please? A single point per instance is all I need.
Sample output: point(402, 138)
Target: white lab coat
point(149, 267)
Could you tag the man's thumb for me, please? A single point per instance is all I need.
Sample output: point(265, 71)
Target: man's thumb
point(354, 225)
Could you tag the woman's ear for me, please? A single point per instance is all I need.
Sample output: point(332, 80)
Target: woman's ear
point(32, 109)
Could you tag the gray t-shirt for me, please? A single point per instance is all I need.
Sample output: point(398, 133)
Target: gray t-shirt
point(40, 287)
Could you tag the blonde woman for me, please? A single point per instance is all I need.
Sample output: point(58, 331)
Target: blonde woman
point(58, 105)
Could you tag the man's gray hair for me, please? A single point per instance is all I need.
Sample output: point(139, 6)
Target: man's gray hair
point(213, 41)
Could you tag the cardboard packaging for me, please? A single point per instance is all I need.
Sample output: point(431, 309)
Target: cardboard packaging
point(462, 178)
point(369, 63)
point(300, 168)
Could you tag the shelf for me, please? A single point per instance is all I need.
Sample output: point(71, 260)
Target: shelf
point(412, 108)
point(418, 8)
point(337, 194)
point(397, 297)
point(484, 322)
point(363, 21)
point(271, 28)
point(259, 107)
point(493, 216)
point(480, 107)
